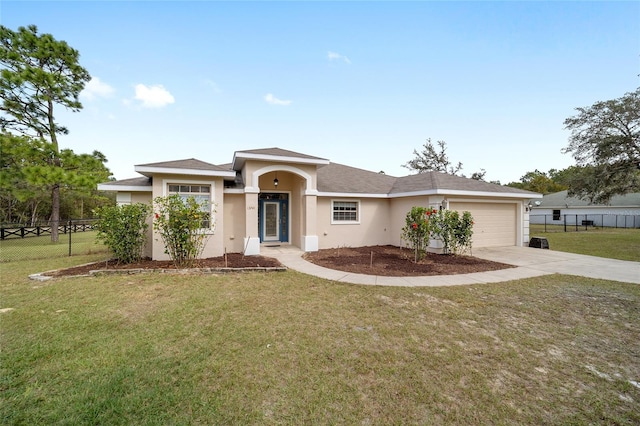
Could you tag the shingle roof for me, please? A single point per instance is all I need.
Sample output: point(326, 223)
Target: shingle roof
point(339, 178)
point(443, 181)
point(561, 199)
point(279, 152)
point(137, 181)
point(141, 184)
point(189, 163)
point(274, 154)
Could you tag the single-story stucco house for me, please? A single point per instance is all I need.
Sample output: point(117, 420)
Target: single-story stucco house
point(622, 211)
point(275, 196)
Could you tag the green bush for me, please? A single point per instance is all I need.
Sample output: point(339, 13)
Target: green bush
point(180, 223)
point(417, 230)
point(454, 231)
point(123, 229)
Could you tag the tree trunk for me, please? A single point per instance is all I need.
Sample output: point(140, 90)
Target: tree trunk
point(55, 212)
point(55, 192)
point(34, 213)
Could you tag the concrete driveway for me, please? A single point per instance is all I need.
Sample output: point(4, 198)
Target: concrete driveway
point(550, 262)
point(530, 262)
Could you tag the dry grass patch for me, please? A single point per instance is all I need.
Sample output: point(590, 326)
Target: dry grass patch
point(292, 349)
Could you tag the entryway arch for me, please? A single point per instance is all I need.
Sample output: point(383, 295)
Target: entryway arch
point(255, 177)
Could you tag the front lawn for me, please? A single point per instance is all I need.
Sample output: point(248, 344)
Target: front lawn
point(34, 248)
point(287, 348)
point(613, 243)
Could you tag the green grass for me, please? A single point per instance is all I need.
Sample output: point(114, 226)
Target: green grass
point(42, 248)
point(286, 348)
point(614, 243)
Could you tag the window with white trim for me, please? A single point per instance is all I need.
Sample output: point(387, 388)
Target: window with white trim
point(345, 212)
point(202, 195)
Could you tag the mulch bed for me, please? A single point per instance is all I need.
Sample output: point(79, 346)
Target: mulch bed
point(394, 261)
point(388, 261)
point(234, 260)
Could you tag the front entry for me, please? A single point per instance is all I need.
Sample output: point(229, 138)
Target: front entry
point(273, 217)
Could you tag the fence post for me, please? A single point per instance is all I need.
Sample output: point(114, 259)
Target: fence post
point(69, 237)
point(565, 223)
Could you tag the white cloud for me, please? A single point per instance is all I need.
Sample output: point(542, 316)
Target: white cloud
point(96, 88)
point(153, 96)
point(333, 56)
point(275, 101)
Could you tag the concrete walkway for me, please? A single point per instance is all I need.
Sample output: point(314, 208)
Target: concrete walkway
point(529, 262)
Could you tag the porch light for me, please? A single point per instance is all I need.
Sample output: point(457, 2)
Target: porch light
point(275, 181)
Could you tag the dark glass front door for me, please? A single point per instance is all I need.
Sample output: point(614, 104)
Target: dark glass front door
point(273, 217)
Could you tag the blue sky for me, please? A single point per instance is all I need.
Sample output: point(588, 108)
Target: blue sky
point(359, 83)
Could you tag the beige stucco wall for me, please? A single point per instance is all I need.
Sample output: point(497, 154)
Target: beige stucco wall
point(215, 243)
point(399, 209)
point(373, 229)
point(234, 222)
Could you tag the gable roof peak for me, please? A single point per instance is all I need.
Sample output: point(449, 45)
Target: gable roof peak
point(274, 155)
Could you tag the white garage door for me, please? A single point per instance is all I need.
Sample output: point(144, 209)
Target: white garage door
point(494, 223)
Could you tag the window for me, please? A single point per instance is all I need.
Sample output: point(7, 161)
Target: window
point(345, 212)
point(556, 215)
point(202, 195)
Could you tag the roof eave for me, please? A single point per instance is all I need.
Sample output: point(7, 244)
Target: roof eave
point(124, 188)
point(466, 193)
point(427, 192)
point(240, 157)
point(151, 170)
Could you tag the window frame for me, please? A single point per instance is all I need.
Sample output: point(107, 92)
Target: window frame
point(358, 212)
point(166, 183)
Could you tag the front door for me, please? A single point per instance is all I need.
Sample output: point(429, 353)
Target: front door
point(273, 212)
point(271, 221)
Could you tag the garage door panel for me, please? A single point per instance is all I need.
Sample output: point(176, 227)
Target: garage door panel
point(494, 223)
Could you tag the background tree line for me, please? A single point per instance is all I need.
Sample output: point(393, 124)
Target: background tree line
point(604, 142)
point(39, 180)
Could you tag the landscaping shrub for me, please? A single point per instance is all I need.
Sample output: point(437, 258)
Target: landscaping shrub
point(417, 230)
point(180, 224)
point(123, 229)
point(453, 230)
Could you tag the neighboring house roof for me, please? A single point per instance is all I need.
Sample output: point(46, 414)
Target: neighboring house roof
point(190, 166)
point(274, 154)
point(562, 200)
